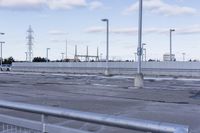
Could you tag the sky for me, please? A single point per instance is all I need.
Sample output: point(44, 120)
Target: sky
point(79, 22)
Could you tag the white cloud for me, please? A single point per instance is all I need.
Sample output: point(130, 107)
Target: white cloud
point(95, 29)
point(95, 5)
point(160, 7)
point(65, 4)
point(126, 30)
point(21, 4)
point(57, 32)
point(195, 29)
point(40, 4)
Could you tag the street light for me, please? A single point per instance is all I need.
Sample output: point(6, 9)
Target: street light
point(1, 54)
point(135, 57)
point(26, 55)
point(183, 56)
point(143, 44)
point(62, 56)
point(145, 54)
point(66, 49)
point(139, 77)
point(47, 59)
point(107, 45)
point(171, 30)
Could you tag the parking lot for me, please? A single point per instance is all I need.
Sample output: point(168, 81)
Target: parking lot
point(162, 99)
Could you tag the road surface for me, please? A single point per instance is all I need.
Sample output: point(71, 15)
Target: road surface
point(162, 99)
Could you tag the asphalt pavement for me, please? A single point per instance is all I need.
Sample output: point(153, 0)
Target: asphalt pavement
point(162, 99)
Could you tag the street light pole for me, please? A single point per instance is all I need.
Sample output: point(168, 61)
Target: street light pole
point(139, 50)
point(66, 48)
point(139, 77)
point(62, 56)
point(171, 30)
point(47, 60)
point(1, 33)
point(135, 57)
point(145, 54)
point(143, 44)
point(183, 56)
point(107, 45)
point(26, 55)
point(1, 54)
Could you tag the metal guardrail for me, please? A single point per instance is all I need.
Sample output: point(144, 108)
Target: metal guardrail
point(108, 120)
point(9, 124)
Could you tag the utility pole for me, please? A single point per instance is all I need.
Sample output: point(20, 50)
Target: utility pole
point(30, 44)
point(139, 77)
point(2, 54)
point(145, 54)
point(47, 59)
point(62, 57)
point(135, 56)
point(143, 44)
point(183, 56)
point(66, 48)
point(26, 56)
point(2, 50)
point(107, 45)
point(170, 31)
point(97, 59)
point(75, 54)
point(87, 54)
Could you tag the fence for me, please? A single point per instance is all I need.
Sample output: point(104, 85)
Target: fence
point(188, 69)
point(19, 125)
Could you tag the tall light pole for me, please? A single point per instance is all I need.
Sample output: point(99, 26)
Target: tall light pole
point(143, 44)
point(139, 77)
point(107, 45)
point(87, 54)
point(145, 54)
point(1, 33)
point(170, 31)
point(66, 48)
point(62, 56)
point(183, 56)
point(47, 60)
point(139, 50)
point(135, 56)
point(1, 54)
point(26, 56)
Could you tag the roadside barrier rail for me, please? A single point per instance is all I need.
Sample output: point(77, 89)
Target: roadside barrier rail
point(102, 119)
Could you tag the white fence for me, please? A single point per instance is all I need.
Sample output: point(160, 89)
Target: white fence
point(191, 69)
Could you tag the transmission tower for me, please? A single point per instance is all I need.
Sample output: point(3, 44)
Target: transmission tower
point(30, 44)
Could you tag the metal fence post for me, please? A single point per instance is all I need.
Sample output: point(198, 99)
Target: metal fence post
point(43, 121)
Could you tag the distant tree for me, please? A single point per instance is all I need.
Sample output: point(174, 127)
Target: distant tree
point(9, 60)
point(151, 60)
point(39, 59)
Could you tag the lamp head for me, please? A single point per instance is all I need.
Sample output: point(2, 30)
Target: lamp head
point(172, 30)
point(104, 20)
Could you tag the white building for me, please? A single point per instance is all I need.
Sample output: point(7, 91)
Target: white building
point(166, 57)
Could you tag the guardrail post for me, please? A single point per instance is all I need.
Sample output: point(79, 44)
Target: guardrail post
point(43, 121)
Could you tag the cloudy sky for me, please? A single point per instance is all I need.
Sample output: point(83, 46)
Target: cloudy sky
point(79, 22)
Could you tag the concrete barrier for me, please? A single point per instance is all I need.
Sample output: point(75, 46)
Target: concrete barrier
point(188, 69)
